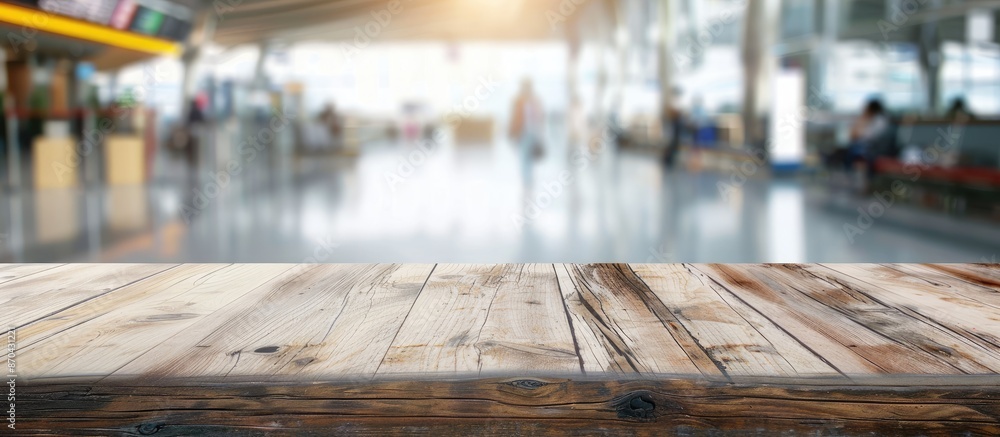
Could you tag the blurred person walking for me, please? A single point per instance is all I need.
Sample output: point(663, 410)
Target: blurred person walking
point(672, 124)
point(526, 130)
point(196, 128)
point(576, 122)
point(185, 138)
point(330, 118)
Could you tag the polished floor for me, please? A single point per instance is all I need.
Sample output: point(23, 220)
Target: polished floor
point(397, 203)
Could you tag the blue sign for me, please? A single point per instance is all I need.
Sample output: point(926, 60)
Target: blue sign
point(84, 71)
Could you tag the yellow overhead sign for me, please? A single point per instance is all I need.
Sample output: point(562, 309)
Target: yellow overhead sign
point(73, 28)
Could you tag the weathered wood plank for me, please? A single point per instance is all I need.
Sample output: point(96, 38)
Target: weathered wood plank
point(921, 338)
point(972, 321)
point(526, 328)
point(129, 296)
point(733, 333)
point(962, 280)
point(593, 348)
point(272, 349)
point(844, 341)
point(512, 406)
point(362, 332)
point(102, 345)
point(625, 328)
point(986, 275)
point(10, 272)
point(485, 318)
point(283, 326)
point(35, 296)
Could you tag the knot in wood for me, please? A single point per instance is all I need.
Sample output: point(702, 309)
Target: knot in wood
point(636, 406)
point(528, 384)
point(149, 428)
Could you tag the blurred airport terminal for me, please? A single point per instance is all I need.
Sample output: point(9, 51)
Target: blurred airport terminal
point(500, 130)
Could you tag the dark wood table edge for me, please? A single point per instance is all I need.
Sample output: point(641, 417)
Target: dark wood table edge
point(513, 405)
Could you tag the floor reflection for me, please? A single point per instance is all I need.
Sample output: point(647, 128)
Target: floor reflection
point(460, 204)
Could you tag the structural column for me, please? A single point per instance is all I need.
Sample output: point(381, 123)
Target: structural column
point(930, 62)
point(572, 84)
point(603, 36)
point(192, 56)
point(9, 137)
point(820, 59)
point(666, 44)
point(3, 70)
point(621, 41)
point(758, 36)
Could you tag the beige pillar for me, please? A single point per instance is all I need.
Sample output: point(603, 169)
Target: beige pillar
point(758, 36)
point(621, 43)
point(192, 56)
point(3, 70)
point(665, 47)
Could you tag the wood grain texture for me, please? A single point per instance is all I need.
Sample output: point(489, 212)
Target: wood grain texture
point(733, 333)
point(485, 318)
point(323, 318)
point(124, 299)
point(506, 349)
point(986, 275)
point(853, 324)
point(31, 297)
point(10, 272)
point(513, 406)
point(372, 316)
point(973, 322)
point(935, 350)
point(102, 345)
point(960, 279)
point(626, 328)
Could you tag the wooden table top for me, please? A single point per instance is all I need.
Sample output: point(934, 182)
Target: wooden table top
point(337, 321)
point(505, 349)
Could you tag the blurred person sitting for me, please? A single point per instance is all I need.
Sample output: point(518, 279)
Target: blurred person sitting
point(869, 134)
point(958, 111)
point(526, 130)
